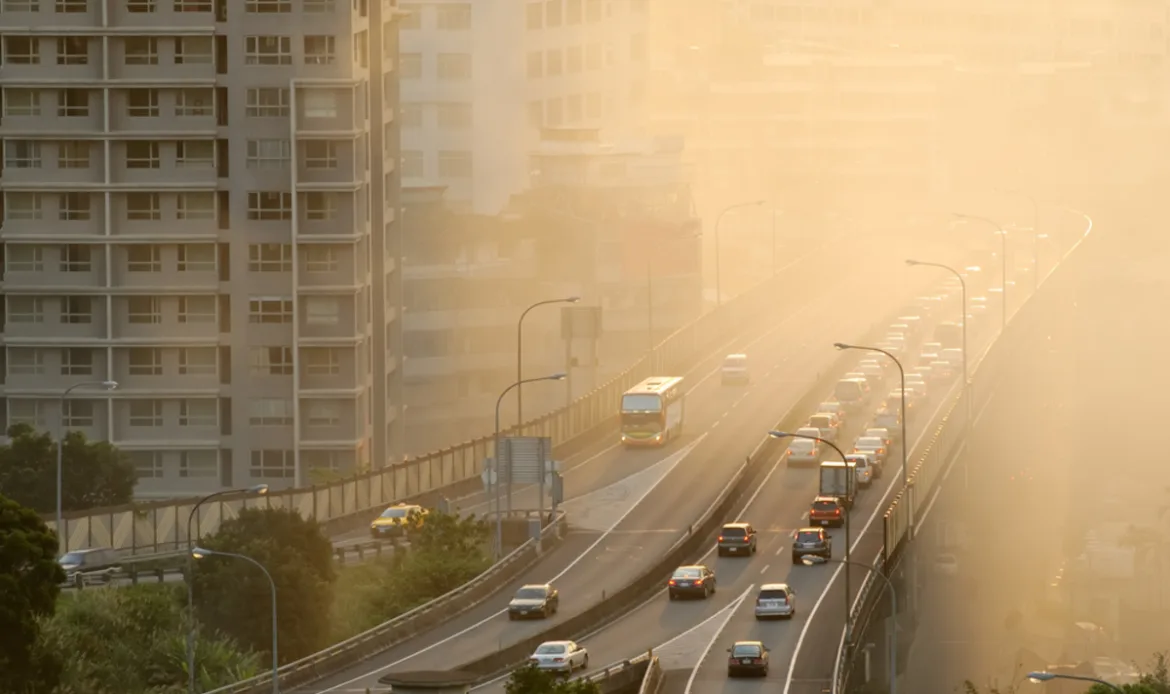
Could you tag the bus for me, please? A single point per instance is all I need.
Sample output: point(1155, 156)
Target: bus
point(652, 411)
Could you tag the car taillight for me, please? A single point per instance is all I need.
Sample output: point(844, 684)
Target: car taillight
point(699, 582)
point(836, 512)
point(721, 538)
point(671, 583)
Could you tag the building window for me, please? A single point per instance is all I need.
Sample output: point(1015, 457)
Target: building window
point(270, 361)
point(22, 206)
point(194, 50)
point(553, 62)
point(320, 154)
point(20, 6)
point(31, 412)
point(270, 257)
point(195, 154)
point(320, 50)
point(413, 164)
point(454, 66)
point(319, 6)
point(320, 206)
point(456, 17)
point(196, 257)
point(22, 102)
point(73, 154)
point(144, 258)
point(191, 206)
point(270, 310)
point(148, 464)
point(268, 154)
point(267, 102)
point(267, 50)
point(535, 15)
point(76, 310)
point(198, 361)
point(322, 361)
point(552, 13)
point(73, 207)
point(267, 206)
point(142, 207)
point(268, 6)
point(22, 258)
point(142, 154)
point(320, 259)
point(26, 362)
point(270, 412)
point(71, 6)
point(454, 164)
point(145, 361)
point(22, 154)
point(192, 5)
point(140, 50)
point(197, 309)
point(320, 104)
point(78, 414)
point(73, 50)
point(72, 103)
point(140, 6)
point(574, 59)
point(26, 309)
point(199, 463)
point(142, 103)
point(322, 413)
point(454, 115)
point(322, 310)
point(76, 362)
point(145, 413)
point(144, 310)
point(76, 258)
point(409, 66)
point(22, 50)
point(573, 12)
point(535, 65)
point(273, 463)
point(194, 102)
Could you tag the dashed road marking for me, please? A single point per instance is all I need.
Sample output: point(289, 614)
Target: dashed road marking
point(765, 569)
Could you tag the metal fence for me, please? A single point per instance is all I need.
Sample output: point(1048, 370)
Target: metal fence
point(160, 526)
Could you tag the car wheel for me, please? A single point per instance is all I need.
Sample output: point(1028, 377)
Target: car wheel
point(795, 559)
point(585, 662)
point(672, 595)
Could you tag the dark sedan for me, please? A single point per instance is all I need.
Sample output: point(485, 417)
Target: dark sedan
point(747, 658)
point(691, 581)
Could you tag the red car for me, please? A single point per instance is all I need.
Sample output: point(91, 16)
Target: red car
point(826, 510)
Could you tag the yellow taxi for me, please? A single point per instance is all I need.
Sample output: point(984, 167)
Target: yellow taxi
point(397, 520)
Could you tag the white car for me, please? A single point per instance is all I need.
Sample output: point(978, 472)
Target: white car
point(560, 656)
point(863, 465)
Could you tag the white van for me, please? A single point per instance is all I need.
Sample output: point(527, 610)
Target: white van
point(735, 370)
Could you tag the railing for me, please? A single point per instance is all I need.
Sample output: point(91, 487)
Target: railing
point(904, 511)
point(408, 624)
point(156, 526)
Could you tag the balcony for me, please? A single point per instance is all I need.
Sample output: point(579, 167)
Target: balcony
point(329, 318)
point(82, 276)
point(148, 370)
point(161, 319)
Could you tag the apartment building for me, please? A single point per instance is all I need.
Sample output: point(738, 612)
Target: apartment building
point(479, 79)
point(199, 203)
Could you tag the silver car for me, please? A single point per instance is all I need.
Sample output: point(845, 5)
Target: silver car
point(561, 656)
point(803, 452)
point(775, 600)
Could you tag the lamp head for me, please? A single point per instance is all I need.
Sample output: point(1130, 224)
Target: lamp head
point(557, 377)
point(200, 553)
point(1040, 676)
point(911, 262)
point(110, 385)
point(572, 299)
point(779, 434)
point(259, 489)
point(842, 345)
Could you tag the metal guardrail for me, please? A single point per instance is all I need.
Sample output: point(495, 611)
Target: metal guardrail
point(620, 675)
point(904, 510)
point(150, 527)
point(408, 624)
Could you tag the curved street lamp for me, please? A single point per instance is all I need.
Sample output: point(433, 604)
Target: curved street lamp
point(496, 454)
point(190, 577)
point(104, 385)
point(718, 221)
point(200, 553)
point(1042, 676)
point(520, 350)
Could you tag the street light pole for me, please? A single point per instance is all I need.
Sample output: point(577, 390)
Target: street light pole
point(199, 553)
point(809, 560)
point(256, 489)
point(718, 221)
point(520, 350)
point(902, 374)
point(848, 511)
point(1042, 676)
point(496, 453)
point(106, 385)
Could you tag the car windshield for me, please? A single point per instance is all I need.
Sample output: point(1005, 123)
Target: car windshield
point(73, 558)
point(687, 573)
point(869, 442)
point(734, 532)
point(641, 403)
point(395, 513)
point(808, 537)
point(773, 594)
point(530, 593)
point(824, 506)
point(550, 649)
point(746, 650)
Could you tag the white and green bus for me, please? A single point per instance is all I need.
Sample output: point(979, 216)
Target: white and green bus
point(652, 411)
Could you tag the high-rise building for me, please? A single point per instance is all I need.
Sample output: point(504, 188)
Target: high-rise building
point(480, 78)
point(199, 203)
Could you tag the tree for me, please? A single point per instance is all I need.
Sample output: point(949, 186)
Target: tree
point(529, 679)
point(94, 473)
point(232, 596)
point(30, 579)
point(133, 639)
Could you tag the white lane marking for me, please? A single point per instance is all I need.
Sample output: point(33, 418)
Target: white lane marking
point(765, 569)
point(617, 521)
point(779, 550)
point(707, 649)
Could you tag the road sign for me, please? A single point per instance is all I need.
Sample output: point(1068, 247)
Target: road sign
point(525, 458)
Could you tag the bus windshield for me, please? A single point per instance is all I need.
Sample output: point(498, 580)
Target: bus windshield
point(641, 403)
